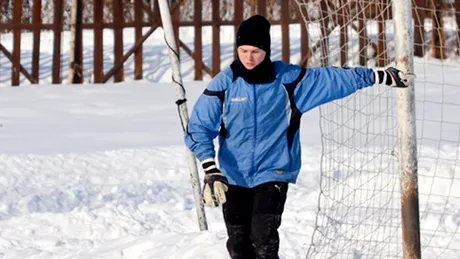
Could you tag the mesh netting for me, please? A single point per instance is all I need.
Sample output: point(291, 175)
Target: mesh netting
point(359, 210)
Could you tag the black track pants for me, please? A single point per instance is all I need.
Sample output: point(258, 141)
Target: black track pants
point(252, 217)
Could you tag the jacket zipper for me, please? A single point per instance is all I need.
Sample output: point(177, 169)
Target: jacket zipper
point(255, 130)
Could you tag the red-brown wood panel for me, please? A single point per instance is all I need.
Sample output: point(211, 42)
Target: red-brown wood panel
point(138, 16)
point(15, 71)
point(285, 18)
point(118, 21)
point(57, 28)
point(37, 20)
point(98, 51)
point(215, 37)
point(197, 19)
point(78, 62)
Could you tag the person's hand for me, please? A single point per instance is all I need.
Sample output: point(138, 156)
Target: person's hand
point(393, 77)
point(215, 184)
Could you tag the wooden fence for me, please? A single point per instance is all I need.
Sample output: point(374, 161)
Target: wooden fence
point(141, 9)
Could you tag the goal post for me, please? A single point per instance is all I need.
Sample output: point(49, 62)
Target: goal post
point(407, 136)
point(170, 40)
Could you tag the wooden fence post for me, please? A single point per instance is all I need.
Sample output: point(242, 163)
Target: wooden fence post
point(262, 7)
point(15, 71)
point(37, 21)
point(138, 16)
point(215, 37)
point(76, 57)
point(118, 25)
point(198, 40)
point(156, 10)
point(98, 42)
point(57, 28)
point(79, 77)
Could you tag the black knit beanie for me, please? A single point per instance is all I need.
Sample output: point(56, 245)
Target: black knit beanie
point(254, 31)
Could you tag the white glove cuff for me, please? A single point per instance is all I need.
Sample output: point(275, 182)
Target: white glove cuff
point(208, 164)
point(379, 80)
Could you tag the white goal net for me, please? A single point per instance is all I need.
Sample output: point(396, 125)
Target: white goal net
point(359, 210)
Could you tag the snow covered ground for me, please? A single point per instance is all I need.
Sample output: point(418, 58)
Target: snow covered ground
point(99, 171)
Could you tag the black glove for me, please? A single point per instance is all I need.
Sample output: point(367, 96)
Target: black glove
point(215, 184)
point(392, 77)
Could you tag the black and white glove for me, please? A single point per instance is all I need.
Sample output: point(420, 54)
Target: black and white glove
point(215, 184)
point(393, 77)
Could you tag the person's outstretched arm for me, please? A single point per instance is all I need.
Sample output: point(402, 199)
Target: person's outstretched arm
point(324, 84)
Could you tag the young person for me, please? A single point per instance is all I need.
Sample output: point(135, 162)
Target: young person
point(254, 107)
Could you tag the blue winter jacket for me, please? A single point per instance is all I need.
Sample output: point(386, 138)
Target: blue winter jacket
point(258, 124)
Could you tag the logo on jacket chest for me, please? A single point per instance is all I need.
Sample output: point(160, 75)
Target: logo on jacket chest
point(238, 99)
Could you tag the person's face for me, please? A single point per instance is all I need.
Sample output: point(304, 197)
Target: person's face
point(250, 56)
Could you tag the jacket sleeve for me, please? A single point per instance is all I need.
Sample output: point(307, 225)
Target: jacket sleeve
point(324, 84)
point(205, 120)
